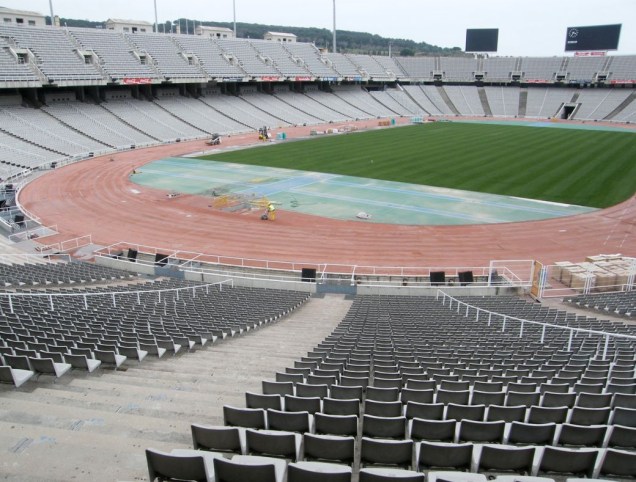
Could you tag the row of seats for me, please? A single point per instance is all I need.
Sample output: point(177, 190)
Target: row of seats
point(547, 428)
point(267, 447)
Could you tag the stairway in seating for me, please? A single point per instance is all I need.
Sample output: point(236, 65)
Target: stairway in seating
point(484, 101)
point(621, 106)
point(523, 102)
point(447, 100)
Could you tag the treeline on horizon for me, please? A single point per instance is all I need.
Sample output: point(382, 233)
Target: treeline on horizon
point(348, 42)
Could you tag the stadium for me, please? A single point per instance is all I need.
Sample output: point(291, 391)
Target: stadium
point(238, 259)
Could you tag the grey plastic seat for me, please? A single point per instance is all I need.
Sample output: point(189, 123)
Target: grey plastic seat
point(538, 414)
point(382, 394)
point(288, 421)
point(260, 400)
point(551, 399)
point(184, 465)
point(435, 455)
point(465, 412)
point(624, 416)
point(49, 367)
point(15, 376)
point(568, 461)
point(594, 400)
point(109, 358)
point(317, 472)
point(377, 474)
point(301, 404)
point(477, 431)
point(498, 458)
point(217, 439)
point(244, 417)
point(152, 349)
point(386, 452)
point(432, 430)
point(334, 406)
point(624, 400)
point(622, 437)
point(249, 467)
point(383, 427)
point(487, 398)
point(419, 396)
point(618, 463)
point(523, 398)
point(82, 362)
point(336, 424)
point(582, 435)
point(329, 447)
point(451, 396)
point(590, 416)
point(444, 476)
point(429, 411)
point(507, 414)
point(311, 390)
point(382, 409)
point(277, 388)
point(341, 392)
point(531, 433)
point(272, 443)
point(133, 353)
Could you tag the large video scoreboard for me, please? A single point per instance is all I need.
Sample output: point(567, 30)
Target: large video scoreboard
point(597, 37)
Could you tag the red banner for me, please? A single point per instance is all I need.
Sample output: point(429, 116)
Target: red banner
point(633, 81)
point(594, 53)
point(270, 78)
point(136, 80)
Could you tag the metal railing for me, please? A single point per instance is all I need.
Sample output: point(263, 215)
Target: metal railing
point(113, 295)
point(491, 316)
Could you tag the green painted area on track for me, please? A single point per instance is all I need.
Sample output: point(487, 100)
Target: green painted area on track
point(580, 166)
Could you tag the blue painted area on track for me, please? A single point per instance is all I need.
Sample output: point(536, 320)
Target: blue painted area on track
point(344, 197)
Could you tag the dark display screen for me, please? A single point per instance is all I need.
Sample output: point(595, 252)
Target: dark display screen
point(598, 37)
point(482, 39)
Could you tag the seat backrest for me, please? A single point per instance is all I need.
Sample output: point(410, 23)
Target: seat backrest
point(304, 472)
point(333, 406)
point(383, 427)
point(244, 417)
point(165, 466)
point(329, 447)
point(579, 461)
point(382, 394)
point(465, 412)
point(230, 471)
point(383, 409)
point(336, 424)
point(301, 404)
point(531, 433)
point(309, 390)
point(288, 421)
point(260, 400)
point(445, 455)
point(386, 452)
point(429, 411)
point(618, 462)
point(477, 431)
point(341, 392)
point(501, 457)
point(216, 439)
point(507, 414)
point(581, 435)
point(547, 414)
point(436, 430)
point(276, 443)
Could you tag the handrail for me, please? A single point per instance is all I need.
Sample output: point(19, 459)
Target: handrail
point(113, 294)
point(188, 258)
point(506, 318)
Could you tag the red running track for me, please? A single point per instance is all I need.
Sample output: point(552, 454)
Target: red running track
point(96, 197)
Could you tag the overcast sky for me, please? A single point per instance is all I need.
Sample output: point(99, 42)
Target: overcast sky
point(535, 27)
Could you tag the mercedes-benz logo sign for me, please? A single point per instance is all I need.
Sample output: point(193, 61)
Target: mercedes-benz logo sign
point(573, 33)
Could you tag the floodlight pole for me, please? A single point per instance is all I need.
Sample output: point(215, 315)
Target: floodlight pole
point(234, 11)
point(52, 15)
point(334, 27)
point(156, 22)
